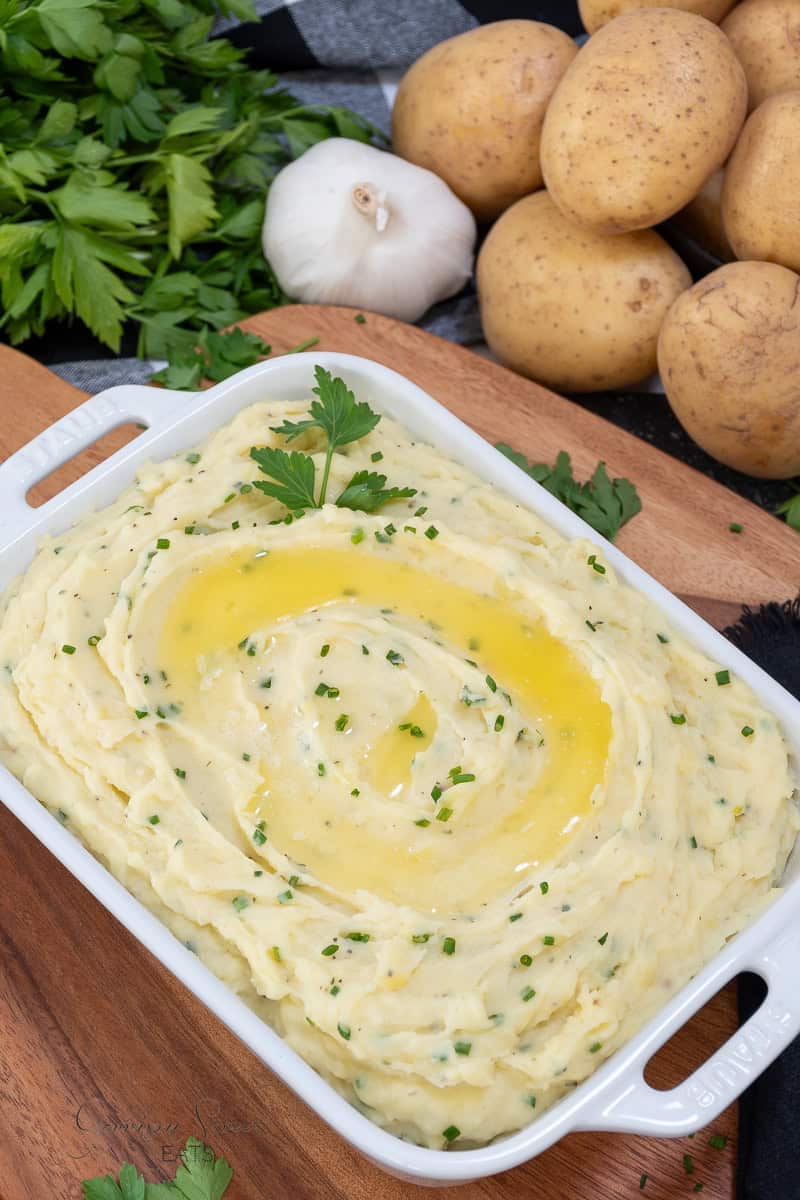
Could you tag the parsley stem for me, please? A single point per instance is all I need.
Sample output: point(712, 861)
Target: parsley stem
point(325, 474)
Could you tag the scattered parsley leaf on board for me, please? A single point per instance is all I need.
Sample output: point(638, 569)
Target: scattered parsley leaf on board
point(343, 420)
point(603, 503)
point(202, 1176)
point(791, 509)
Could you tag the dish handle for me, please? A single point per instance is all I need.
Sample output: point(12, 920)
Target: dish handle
point(636, 1107)
point(74, 432)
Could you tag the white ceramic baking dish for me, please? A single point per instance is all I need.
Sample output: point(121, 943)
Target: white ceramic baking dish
point(616, 1097)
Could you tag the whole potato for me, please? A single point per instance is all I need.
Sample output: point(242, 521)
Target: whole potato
point(729, 356)
point(595, 13)
point(651, 106)
point(761, 193)
point(571, 308)
point(471, 110)
point(765, 35)
point(701, 220)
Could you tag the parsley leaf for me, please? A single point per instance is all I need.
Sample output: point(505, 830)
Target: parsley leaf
point(791, 509)
point(603, 503)
point(216, 356)
point(293, 474)
point(343, 420)
point(365, 492)
point(202, 1176)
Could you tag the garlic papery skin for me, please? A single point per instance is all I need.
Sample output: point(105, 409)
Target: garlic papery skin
point(348, 224)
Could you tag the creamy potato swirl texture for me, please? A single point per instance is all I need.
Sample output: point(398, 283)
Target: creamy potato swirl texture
point(440, 797)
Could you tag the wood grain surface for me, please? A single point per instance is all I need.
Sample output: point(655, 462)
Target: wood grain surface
point(105, 1057)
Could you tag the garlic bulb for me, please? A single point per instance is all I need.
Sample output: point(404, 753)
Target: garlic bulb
point(349, 224)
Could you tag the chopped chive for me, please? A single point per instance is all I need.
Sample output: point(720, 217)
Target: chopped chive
point(395, 658)
point(266, 683)
point(382, 537)
point(693, 842)
point(356, 792)
point(436, 793)
point(735, 527)
point(193, 458)
point(419, 939)
point(677, 718)
point(528, 993)
point(688, 1164)
point(595, 1046)
point(334, 991)
point(549, 940)
point(155, 819)
point(342, 722)
point(602, 940)
point(325, 651)
point(376, 457)
point(544, 887)
point(246, 757)
point(240, 903)
point(259, 836)
point(179, 771)
point(421, 511)
point(330, 950)
point(595, 565)
point(230, 496)
point(431, 532)
point(463, 777)
point(423, 822)
point(490, 683)
point(451, 1133)
point(390, 529)
point(320, 769)
point(462, 1047)
point(662, 637)
point(515, 917)
point(499, 722)
point(357, 535)
point(294, 881)
point(642, 1182)
point(286, 897)
point(276, 954)
point(747, 731)
point(321, 689)
point(67, 649)
point(591, 626)
point(364, 649)
point(258, 874)
point(444, 814)
point(234, 524)
point(525, 959)
point(93, 640)
point(449, 945)
point(360, 319)
point(711, 758)
point(722, 677)
point(344, 1031)
point(162, 544)
point(717, 1141)
point(357, 937)
point(189, 529)
point(409, 529)
point(141, 713)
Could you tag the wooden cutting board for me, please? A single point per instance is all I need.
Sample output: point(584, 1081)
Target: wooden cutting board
point(104, 1057)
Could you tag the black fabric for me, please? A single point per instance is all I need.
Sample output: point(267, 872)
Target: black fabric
point(563, 13)
point(275, 43)
point(768, 1160)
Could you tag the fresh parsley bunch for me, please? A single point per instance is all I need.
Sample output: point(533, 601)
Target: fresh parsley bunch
point(135, 153)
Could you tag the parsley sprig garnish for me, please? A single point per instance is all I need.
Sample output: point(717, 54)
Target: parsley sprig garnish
point(292, 474)
point(605, 504)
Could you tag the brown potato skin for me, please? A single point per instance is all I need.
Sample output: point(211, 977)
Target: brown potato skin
point(701, 220)
point(648, 110)
point(765, 35)
point(471, 110)
point(761, 193)
point(729, 357)
point(569, 308)
point(595, 13)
